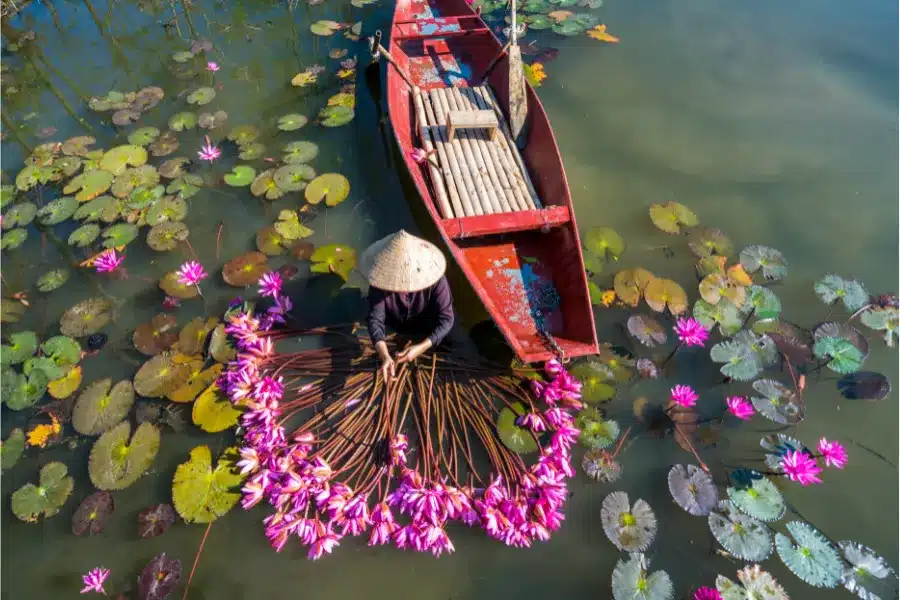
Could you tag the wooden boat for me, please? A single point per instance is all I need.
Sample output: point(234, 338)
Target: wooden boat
point(506, 216)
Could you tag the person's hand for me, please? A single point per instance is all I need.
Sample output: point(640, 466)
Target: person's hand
point(413, 352)
point(387, 368)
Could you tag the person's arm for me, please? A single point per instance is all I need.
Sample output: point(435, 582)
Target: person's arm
point(377, 332)
point(442, 300)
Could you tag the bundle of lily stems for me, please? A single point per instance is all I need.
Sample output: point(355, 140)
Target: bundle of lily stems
point(335, 450)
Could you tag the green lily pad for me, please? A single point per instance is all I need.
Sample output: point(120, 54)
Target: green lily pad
point(84, 235)
point(90, 184)
point(68, 165)
point(770, 261)
point(809, 556)
point(293, 177)
point(743, 536)
point(270, 242)
point(165, 236)
point(57, 211)
point(62, 350)
point(20, 215)
point(13, 239)
point(569, 27)
point(220, 347)
point(333, 258)
point(145, 176)
point(745, 355)
point(170, 285)
point(52, 280)
point(87, 317)
point(332, 187)
point(597, 384)
point(22, 345)
point(843, 357)
point(632, 581)
point(99, 408)
point(143, 136)
point(518, 439)
point(182, 121)
point(240, 176)
point(289, 226)
point(42, 363)
point(120, 234)
point(115, 463)
point(166, 210)
point(212, 120)
point(292, 122)
point(251, 151)
point(596, 432)
point(174, 167)
point(93, 210)
point(300, 152)
point(850, 292)
point(245, 270)
point(761, 500)
point(28, 178)
point(672, 216)
point(243, 134)
point(165, 144)
point(31, 502)
point(201, 493)
point(883, 319)
point(710, 242)
point(11, 311)
point(121, 157)
point(185, 186)
point(183, 56)
point(604, 243)
point(336, 116)
point(538, 22)
point(201, 96)
point(12, 449)
point(26, 390)
point(7, 195)
point(777, 402)
point(762, 302)
point(724, 314)
point(325, 27)
point(264, 184)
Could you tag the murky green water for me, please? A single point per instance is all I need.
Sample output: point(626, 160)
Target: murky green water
point(775, 122)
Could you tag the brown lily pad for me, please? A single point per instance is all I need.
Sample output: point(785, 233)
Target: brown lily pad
point(91, 516)
point(192, 338)
point(270, 242)
point(170, 285)
point(87, 317)
point(629, 284)
point(245, 270)
point(156, 336)
point(155, 520)
point(163, 374)
point(664, 293)
point(198, 381)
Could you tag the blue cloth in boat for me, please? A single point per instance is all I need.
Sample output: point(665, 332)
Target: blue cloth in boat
point(428, 312)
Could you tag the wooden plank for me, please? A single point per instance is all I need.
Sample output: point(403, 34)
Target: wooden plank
point(524, 220)
point(437, 180)
point(512, 186)
point(471, 119)
point(438, 27)
point(460, 176)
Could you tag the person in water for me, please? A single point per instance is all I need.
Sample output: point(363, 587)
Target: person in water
point(409, 293)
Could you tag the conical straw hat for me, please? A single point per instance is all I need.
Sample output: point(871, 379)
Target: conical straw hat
point(402, 262)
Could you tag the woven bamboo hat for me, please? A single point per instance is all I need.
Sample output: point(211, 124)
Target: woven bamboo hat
point(402, 262)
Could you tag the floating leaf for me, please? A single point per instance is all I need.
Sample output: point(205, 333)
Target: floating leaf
point(57, 211)
point(776, 447)
point(13, 239)
point(155, 520)
point(518, 439)
point(167, 209)
point(240, 176)
point(84, 235)
point(147, 98)
point(22, 345)
point(630, 581)
point(99, 408)
point(121, 157)
point(183, 56)
point(850, 292)
point(182, 121)
point(334, 258)
point(325, 27)
point(761, 500)
point(31, 501)
point(174, 167)
point(293, 177)
point(220, 347)
point(843, 357)
point(304, 78)
point(143, 136)
point(159, 578)
point(12, 448)
point(596, 380)
point(867, 571)
point(87, 317)
point(77, 146)
point(161, 375)
point(91, 515)
point(771, 261)
point(91, 184)
point(885, 319)
point(809, 556)
point(202, 494)
point(41, 363)
point(243, 134)
point(742, 536)
point(332, 187)
point(120, 234)
point(93, 210)
point(172, 287)
point(629, 528)
point(762, 302)
point(778, 402)
point(66, 385)
point(251, 151)
point(864, 385)
point(165, 144)
point(647, 330)
point(596, 432)
point(25, 390)
point(336, 116)
point(185, 186)
point(245, 270)
point(300, 152)
point(672, 216)
point(630, 284)
point(600, 465)
point(715, 287)
point(693, 489)
point(156, 336)
point(745, 355)
point(661, 294)
point(270, 242)
point(724, 314)
point(20, 215)
point(166, 236)
point(213, 411)
point(201, 96)
point(343, 99)
point(264, 184)
point(289, 227)
point(605, 243)
point(212, 120)
point(292, 122)
point(757, 584)
point(192, 338)
point(709, 242)
point(11, 311)
point(198, 381)
point(114, 463)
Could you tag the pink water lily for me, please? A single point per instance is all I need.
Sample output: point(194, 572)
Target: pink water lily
point(108, 261)
point(707, 593)
point(191, 273)
point(690, 332)
point(170, 303)
point(209, 152)
point(800, 467)
point(683, 395)
point(93, 580)
point(270, 285)
point(212, 66)
point(740, 407)
point(834, 453)
point(419, 155)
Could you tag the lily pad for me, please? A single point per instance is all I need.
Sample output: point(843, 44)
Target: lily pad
point(245, 270)
point(672, 216)
point(68, 165)
point(28, 178)
point(293, 177)
point(159, 578)
point(120, 234)
point(597, 383)
point(220, 348)
point(240, 176)
point(115, 463)
point(292, 122)
point(762, 302)
point(92, 183)
point(715, 287)
point(243, 135)
point(631, 581)
point(289, 226)
point(201, 96)
point(777, 402)
point(600, 465)
point(87, 317)
point(744, 356)
point(710, 242)
point(174, 167)
point(756, 584)
point(629, 528)
point(63, 387)
point(143, 136)
point(147, 98)
point(11, 311)
point(629, 285)
point(12, 449)
point(770, 261)
point(647, 330)
point(192, 338)
point(143, 177)
point(776, 447)
point(743, 536)
point(91, 515)
point(41, 363)
point(13, 239)
point(604, 243)
point(167, 209)
point(693, 489)
point(251, 151)
point(142, 197)
point(157, 336)
point(165, 144)
point(867, 572)
point(31, 501)
point(596, 432)
point(333, 258)
point(22, 345)
point(518, 439)
point(198, 380)
point(155, 520)
point(264, 184)
point(183, 56)
point(842, 331)
point(26, 390)
point(162, 374)
point(166, 236)
point(78, 146)
point(270, 242)
point(724, 314)
point(20, 215)
point(864, 385)
point(201, 493)
point(336, 116)
point(99, 408)
point(886, 319)
point(850, 292)
point(809, 555)
point(212, 120)
point(661, 294)
point(171, 286)
point(332, 187)
point(300, 152)
point(182, 121)
point(324, 27)
point(843, 357)
point(185, 186)
point(121, 157)
point(57, 211)
point(213, 411)
point(93, 210)
point(761, 500)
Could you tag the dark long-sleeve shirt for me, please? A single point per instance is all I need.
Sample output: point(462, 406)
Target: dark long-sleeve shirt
point(426, 312)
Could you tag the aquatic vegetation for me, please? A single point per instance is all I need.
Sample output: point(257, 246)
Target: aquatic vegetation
point(760, 500)
point(213, 412)
point(203, 493)
point(333, 188)
point(741, 535)
point(693, 489)
point(755, 583)
point(191, 273)
point(630, 528)
point(155, 520)
point(683, 395)
point(31, 501)
point(209, 152)
point(631, 581)
point(740, 407)
point(333, 258)
point(159, 578)
point(108, 261)
point(245, 270)
point(800, 467)
point(94, 579)
point(87, 317)
point(118, 459)
point(91, 515)
point(514, 436)
point(833, 453)
point(809, 556)
point(102, 406)
point(866, 571)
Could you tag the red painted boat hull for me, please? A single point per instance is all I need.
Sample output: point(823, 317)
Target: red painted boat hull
point(526, 267)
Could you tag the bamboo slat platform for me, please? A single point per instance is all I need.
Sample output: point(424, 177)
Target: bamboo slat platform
point(478, 171)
